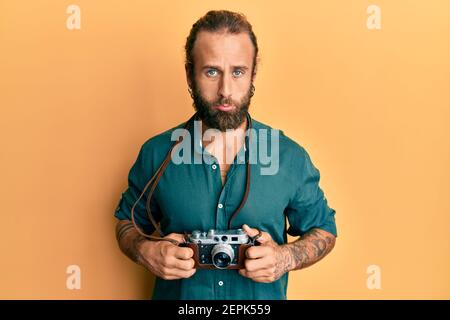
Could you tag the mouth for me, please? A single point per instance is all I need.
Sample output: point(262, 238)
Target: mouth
point(224, 107)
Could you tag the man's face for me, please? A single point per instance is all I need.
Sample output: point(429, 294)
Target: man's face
point(222, 78)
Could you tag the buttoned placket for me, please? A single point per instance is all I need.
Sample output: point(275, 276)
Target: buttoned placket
point(221, 280)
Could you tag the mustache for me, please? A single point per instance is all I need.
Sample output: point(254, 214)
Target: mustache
point(197, 96)
point(223, 101)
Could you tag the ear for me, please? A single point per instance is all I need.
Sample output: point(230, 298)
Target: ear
point(188, 75)
point(256, 68)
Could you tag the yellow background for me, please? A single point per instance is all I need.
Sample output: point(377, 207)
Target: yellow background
point(372, 107)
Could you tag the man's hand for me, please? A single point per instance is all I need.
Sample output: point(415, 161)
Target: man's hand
point(167, 260)
point(264, 263)
point(268, 262)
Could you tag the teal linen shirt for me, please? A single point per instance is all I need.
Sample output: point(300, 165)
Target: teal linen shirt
point(191, 197)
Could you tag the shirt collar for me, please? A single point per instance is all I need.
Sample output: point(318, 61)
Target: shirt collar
point(196, 132)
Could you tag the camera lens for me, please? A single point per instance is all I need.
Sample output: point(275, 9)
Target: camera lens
point(222, 260)
point(222, 255)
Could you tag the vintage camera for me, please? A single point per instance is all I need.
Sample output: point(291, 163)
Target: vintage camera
point(219, 249)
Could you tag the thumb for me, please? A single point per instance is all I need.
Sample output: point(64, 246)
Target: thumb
point(252, 232)
point(176, 236)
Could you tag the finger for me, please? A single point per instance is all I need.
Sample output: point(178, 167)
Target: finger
point(243, 273)
point(257, 252)
point(252, 232)
point(183, 253)
point(176, 236)
point(182, 264)
point(263, 279)
point(262, 273)
point(258, 264)
point(173, 274)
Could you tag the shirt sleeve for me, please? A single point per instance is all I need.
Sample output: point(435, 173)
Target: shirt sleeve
point(308, 208)
point(138, 178)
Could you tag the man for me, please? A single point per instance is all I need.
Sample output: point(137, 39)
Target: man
point(221, 63)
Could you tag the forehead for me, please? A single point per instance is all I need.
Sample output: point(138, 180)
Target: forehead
point(219, 47)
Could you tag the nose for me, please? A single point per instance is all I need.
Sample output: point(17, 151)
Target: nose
point(225, 86)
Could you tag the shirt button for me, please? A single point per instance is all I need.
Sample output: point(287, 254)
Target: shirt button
point(220, 206)
point(220, 283)
point(214, 166)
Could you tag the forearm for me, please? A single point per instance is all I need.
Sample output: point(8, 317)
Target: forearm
point(129, 240)
point(307, 250)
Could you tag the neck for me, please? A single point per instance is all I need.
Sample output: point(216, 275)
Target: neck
point(231, 139)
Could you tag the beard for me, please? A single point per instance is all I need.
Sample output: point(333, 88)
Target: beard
point(218, 119)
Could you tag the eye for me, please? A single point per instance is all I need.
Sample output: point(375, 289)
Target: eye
point(237, 73)
point(211, 72)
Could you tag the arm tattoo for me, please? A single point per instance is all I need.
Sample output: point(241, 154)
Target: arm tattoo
point(122, 230)
point(129, 245)
point(309, 249)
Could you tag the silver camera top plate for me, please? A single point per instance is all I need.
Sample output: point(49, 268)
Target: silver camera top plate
point(235, 236)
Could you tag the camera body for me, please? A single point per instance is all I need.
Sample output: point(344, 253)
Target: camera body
point(219, 249)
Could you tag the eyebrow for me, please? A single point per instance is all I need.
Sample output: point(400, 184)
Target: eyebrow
point(218, 68)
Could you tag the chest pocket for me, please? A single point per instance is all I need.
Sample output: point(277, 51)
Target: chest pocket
point(265, 204)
